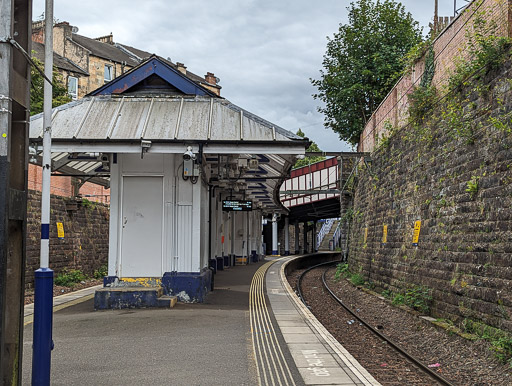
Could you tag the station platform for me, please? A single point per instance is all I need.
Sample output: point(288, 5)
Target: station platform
point(251, 330)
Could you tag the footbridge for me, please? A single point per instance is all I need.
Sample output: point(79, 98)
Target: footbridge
point(313, 194)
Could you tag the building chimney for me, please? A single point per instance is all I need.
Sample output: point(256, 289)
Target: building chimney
point(210, 78)
point(181, 68)
point(109, 39)
point(38, 31)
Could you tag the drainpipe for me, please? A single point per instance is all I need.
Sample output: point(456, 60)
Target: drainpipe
point(43, 277)
point(210, 225)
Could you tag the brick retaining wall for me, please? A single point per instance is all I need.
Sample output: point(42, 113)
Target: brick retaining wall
point(448, 47)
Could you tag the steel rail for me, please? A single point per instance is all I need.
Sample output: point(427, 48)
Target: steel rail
point(407, 355)
point(299, 280)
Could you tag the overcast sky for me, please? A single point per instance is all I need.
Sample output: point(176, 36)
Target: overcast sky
point(264, 51)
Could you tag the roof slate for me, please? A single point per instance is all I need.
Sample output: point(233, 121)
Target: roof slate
point(117, 54)
point(58, 61)
point(104, 50)
point(140, 53)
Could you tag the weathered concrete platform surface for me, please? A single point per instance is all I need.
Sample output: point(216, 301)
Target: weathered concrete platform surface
point(191, 344)
point(320, 359)
point(250, 331)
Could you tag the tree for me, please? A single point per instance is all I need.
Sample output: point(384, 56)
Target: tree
point(362, 63)
point(59, 94)
point(308, 160)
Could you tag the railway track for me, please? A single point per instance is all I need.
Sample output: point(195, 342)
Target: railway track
point(389, 363)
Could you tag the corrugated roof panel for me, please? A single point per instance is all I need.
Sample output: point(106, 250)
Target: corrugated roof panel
point(126, 118)
point(90, 167)
point(130, 121)
point(253, 129)
point(270, 170)
point(99, 119)
point(163, 118)
point(59, 156)
point(36, 128)
point(67, 120)
point(225, 123)
point(194, 119)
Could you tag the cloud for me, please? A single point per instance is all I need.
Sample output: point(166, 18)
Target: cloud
point(264, 51)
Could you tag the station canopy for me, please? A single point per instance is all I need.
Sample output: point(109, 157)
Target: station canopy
point(154, 108)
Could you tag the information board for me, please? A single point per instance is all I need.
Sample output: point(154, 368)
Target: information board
point(236, 206)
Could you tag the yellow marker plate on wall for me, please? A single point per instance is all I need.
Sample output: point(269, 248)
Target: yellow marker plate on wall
point(416, 235)
point(60, 230)
point(365, 235)
point(384, 234)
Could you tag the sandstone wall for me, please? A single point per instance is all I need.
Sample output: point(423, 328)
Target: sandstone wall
point(85, 242)
point(460, 188)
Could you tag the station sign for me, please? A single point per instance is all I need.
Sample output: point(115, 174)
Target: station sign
point(236, 206)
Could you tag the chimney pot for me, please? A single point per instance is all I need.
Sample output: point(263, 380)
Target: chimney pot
point(181, 68)
point(210, 78)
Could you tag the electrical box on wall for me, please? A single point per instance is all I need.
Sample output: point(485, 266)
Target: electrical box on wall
point(190, 168)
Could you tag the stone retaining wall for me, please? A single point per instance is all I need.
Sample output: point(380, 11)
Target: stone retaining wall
point(461, 191)
point(85, 242)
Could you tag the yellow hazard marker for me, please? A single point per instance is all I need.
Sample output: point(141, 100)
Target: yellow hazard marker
point(416, 235)
point(4, 135)
point(365, 235)
point(384, 234)
point(60, 230)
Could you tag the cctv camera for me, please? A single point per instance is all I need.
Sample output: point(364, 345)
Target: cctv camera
point(189, 154)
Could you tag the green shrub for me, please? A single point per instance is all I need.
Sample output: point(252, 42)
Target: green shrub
point(341, 269)
point(502, 348)
point(101, 272)
point(398, 299)
point(69, 278)
point(421, 101)
point(501, 341)
point(472, 186)
point(419, 298)
point(357, 279)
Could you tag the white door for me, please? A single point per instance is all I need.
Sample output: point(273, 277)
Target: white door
point(141, 220)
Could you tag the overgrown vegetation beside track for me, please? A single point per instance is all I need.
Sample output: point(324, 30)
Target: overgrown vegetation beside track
point(419, 298)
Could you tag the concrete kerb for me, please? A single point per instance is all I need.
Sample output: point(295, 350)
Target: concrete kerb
point(63, 301)
point(334, 346)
